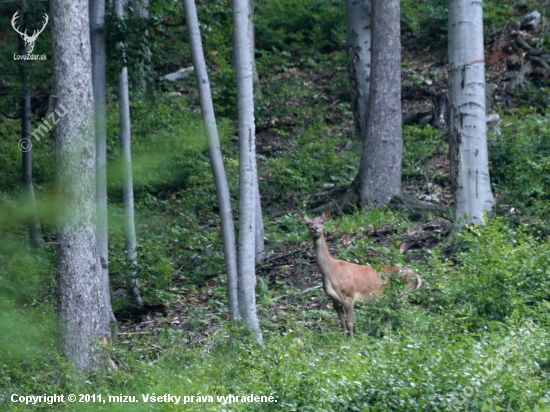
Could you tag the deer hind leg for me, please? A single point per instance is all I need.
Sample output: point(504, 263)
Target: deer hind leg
point(340, 311)
point(350, 317)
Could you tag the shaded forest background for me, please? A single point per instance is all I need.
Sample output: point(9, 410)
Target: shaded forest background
point(485, 296)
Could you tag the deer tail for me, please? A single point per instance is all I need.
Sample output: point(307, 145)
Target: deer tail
point(418, 282)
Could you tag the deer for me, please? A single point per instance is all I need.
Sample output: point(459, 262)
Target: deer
point(345, 282)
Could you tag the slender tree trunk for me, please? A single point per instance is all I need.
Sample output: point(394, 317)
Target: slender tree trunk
point(142, 8)
point(468, 143)
point(379, 176)
point(259, 233)
point(247, 166)
point(97, 33)
point(257, 88)
point(215, 154)
point(358, 46)
point(127, 181)
point(80, 295)
point(29, 200)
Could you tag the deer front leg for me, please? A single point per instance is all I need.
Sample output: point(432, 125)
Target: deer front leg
point(340, 311)
point(350, 317)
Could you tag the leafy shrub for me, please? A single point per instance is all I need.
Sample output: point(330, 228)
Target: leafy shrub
point(498, 271)
point(520, 158)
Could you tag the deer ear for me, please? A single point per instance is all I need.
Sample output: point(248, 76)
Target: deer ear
point(303, 218)
point(326, 213)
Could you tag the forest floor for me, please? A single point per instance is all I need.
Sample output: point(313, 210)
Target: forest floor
point(424, 80)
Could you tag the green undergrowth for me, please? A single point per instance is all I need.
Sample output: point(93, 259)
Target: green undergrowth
point(520, 155)
point(474, 338)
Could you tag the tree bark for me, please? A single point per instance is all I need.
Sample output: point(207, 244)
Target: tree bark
point(468, 128)
point(215, 154)
point(142, 8)
point(127, 180)
point(379, 176)
point(97, 36)
point(247, 168)
point(257, 88)
point(33, 224)
point(259, 233)
point(358, 46)
point(80, 294)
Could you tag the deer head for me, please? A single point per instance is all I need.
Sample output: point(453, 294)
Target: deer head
point(315, 226)
point(29, 40)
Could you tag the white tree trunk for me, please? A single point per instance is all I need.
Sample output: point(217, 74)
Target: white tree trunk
point(259, 233)
point(127, 181)
point(247, 166)
point(259, 228)
point(215, 154)
point(468, 149)
point(358, 46)
point(83, 317)
point(97, 33)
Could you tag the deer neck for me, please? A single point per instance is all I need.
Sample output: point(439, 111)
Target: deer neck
point(324, 260)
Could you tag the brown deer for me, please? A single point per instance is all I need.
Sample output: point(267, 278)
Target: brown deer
point(344, 282)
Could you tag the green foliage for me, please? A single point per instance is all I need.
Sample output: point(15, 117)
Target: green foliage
point(496, 13)
point(304, 167)
point(168, 147)
point(307, 371)
point(427, 21)
point(299, 28)
point(499, 272)
point(10, 155)
point(368, 220)
point(421, 144)
point(520, 156)
point(27, 341)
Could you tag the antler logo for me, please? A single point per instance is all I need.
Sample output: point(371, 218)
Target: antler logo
point(29, 40)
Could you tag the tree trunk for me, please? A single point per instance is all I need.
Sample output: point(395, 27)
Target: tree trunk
point(468, 143)
point(97, 33)
point(127, 181)
point(259, 233)
point(257, 88)
point(80, 295)
point(142, 8)
point(215, 154)
point(379, 176)
point(247, 168)
point(29, 200)
point(358, 46)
